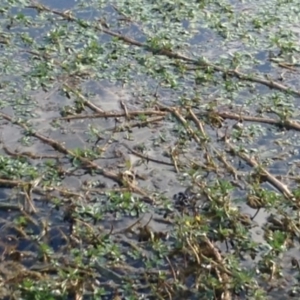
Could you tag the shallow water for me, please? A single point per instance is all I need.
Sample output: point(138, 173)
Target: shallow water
point(162, 137)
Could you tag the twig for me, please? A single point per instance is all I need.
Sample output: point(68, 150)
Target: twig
point(105, 114)
point(288, 124)
point(124, 107)
point(146, 157)
point(178, 115)
point(86, 102)
point(270, 178)
point(224, 274)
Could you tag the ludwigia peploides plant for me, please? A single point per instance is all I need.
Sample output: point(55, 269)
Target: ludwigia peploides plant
point(149, 149)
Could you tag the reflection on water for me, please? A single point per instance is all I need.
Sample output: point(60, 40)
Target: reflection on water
point(66, 4)
point(164, 140)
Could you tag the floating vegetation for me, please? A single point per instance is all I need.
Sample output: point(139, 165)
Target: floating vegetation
point(149, 149)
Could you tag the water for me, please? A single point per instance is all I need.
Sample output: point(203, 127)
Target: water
point(138, 80)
